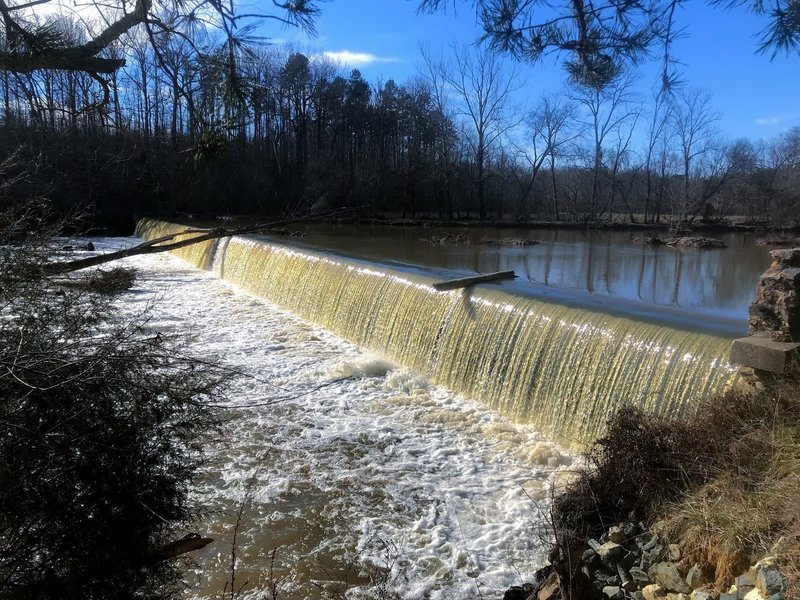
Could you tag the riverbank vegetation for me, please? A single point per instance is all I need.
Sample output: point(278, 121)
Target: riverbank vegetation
point(721, 484)
point(102, 423)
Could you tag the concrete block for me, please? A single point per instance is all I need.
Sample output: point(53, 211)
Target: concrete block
point(760, 352)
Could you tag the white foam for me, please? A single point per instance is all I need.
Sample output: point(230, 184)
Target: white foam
point(360, 468)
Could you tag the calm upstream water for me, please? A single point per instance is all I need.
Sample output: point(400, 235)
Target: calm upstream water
point(609, 270)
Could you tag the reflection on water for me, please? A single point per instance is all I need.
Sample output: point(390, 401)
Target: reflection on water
point(709, 283)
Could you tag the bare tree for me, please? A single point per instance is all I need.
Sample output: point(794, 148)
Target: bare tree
point(657, 132)
point(693, 122)
point(432, 71)
point(607, 109)
point(777, 180)
point(620, 156)
point(484, 86)
point(548, 131)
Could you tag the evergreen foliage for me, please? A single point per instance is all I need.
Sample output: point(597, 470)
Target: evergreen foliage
point(600, 39)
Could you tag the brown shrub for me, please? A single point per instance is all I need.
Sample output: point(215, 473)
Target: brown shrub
point(724, 484)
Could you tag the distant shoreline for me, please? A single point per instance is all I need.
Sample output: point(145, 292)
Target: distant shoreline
point(721, 226)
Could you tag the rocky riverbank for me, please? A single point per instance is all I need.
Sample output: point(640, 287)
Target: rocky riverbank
point(465, 239)
point(689, 241)
point(721, 225)
point(629, 561)
point(702, 508)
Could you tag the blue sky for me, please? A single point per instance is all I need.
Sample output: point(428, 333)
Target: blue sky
point(756, 96)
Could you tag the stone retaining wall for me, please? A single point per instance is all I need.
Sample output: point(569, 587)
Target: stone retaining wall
point(774, 319)
point(776, 309)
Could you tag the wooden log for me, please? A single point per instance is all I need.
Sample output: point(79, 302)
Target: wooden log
point(454, 284)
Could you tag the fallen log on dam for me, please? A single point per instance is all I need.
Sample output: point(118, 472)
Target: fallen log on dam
point(562, 368)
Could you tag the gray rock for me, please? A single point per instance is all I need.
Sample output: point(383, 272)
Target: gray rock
point(667, 576)
point(617, 534)
point(637, 595)
point(674, 552)
point(519, 592)
point(788, 257)
point(604, 576)
point(648, 559)
point(655, 555)
point(763, 353)
point(778, 596)
point(653, 592)
point(704, 595)
point(776, 309)
point(640, 576)
point(770, 581)
point(649, 542)
point(588, 556)
point(625, 579)
point(645, 562)
point(753, 594)
point(695, 577)
point(630, 529)
point(728, 596)
point(613, 592)
point(744, 583)
point(609, 552)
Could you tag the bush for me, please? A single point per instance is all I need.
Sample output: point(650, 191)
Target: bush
point(101, 429)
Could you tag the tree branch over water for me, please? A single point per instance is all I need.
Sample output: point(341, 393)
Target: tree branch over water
point(166, 243)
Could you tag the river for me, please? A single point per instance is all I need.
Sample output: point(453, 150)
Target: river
point(707, 288)
point(357, 477)
point(361, 475)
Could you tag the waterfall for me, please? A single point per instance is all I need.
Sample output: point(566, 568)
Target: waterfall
point(562, 369)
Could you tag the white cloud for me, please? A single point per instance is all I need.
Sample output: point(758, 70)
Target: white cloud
point(777, 120)
point(357, 59)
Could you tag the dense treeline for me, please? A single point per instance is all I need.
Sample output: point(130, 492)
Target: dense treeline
point(176, 133)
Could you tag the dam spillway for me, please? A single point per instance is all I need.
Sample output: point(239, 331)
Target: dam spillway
point(561, 368)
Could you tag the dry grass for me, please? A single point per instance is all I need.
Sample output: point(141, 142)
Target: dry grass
point(752, 497)
point(724, 484)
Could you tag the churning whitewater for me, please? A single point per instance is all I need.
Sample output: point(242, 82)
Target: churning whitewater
point(348, 476)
